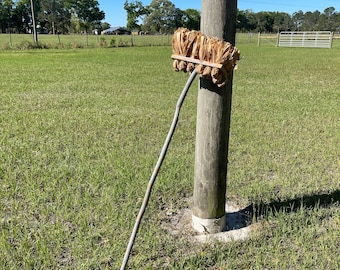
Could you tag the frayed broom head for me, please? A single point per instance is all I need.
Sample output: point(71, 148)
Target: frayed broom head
point(212, 58)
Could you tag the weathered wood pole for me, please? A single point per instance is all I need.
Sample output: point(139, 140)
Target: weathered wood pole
point(218, 19)
point(35, 34)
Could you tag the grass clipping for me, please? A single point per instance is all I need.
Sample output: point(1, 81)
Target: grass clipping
point(212, 58)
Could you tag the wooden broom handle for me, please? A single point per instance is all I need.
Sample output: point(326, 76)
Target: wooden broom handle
point(196, 61)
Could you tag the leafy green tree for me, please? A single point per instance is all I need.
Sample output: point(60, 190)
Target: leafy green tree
point(322, 23)
point(163, 17)
point(330, 18)
point(135, 11)
point(241, 21)
point(246, 20)
point(85, 14)
point(297, 20)
point(310, 21)
point(191, 19)
point(179, 17)
point(104, 25)
point(6, 12)
point(54, 15)
point(2, 18)
point(89, 13)
point(282, 21)
point(265, 21)
point(21, 16)
point(337, 22)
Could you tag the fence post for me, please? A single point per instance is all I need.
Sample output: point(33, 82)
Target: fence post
point(331, 40)
point(10, 39)
point(212, 129)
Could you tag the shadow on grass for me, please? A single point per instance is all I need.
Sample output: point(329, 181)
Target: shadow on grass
point(258, 211)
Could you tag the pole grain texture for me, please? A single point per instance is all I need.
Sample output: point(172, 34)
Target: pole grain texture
point(218, 19)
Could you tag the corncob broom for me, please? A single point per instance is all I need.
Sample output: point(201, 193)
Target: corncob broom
point(192, 52)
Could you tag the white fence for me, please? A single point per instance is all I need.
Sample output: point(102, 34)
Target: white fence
point(320, 39)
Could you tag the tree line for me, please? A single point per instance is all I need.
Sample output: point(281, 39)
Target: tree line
point(248, 21)
point(60, 16)
point(160, 17)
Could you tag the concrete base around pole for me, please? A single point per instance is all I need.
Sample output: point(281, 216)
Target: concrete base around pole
point(227, 236)
point(233, 226)
point(238, 224)
point(208, 225)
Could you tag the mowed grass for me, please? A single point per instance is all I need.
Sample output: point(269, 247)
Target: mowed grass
point(81, 130)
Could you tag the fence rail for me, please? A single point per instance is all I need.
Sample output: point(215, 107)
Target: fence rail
point(317, 39)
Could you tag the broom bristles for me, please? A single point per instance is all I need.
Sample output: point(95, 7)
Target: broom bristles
point(212, 58)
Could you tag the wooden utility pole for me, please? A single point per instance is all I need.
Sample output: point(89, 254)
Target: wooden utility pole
point(35, 34)
point(218, 19)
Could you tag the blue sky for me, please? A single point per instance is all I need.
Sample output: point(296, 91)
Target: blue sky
point(116, 14)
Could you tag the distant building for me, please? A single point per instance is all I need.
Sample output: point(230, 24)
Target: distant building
point(116, 31)
point(39, 29)
point(96, 32)
point(136, 32)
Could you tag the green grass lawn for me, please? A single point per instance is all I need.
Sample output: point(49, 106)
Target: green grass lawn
point(81, 130)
